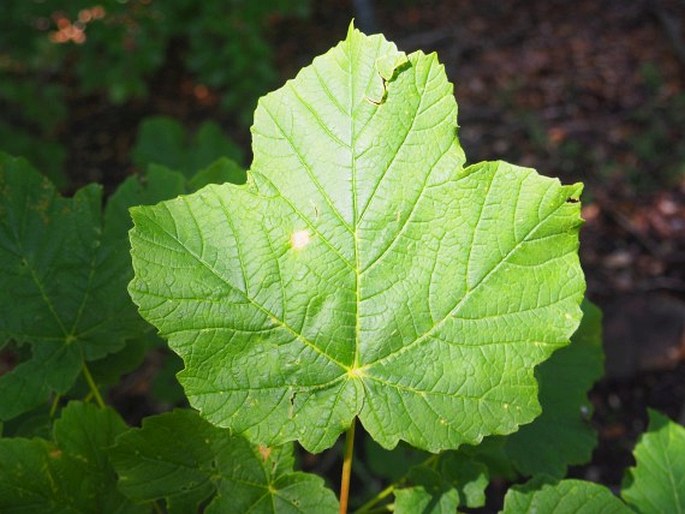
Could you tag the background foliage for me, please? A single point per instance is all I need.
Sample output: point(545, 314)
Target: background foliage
point(51, 52)
point(519, 101)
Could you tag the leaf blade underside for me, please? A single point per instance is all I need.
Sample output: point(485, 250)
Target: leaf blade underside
point(362, 271)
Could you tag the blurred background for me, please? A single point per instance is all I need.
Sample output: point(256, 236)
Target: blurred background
point(584, 90)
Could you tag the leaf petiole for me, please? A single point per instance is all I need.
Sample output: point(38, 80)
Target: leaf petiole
point(368, 507)
point(347, 468)
point(92, 385)
point(55, 404)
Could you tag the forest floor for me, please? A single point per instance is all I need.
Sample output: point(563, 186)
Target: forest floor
point(584, 91)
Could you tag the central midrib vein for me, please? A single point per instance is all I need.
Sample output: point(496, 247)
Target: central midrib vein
point(355, 226)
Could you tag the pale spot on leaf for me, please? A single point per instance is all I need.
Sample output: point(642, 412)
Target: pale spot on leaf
point(299, 239)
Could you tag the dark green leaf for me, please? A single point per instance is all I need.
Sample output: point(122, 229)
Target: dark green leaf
point(451, 481)
point(565, 497)
point(70, 474)
point(220, 171)
point(64, 270)
point(657, 482)
point(391, 464)
point(164, 141)
point(186, 461)
point(562, 435)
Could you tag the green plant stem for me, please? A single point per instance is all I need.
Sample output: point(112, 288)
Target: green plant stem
point(93, 387)
point(55, 404)
point(390, 507)
point(366, 508)
point(347, 468)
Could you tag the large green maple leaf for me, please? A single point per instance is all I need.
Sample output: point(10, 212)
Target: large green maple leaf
point(363, 270)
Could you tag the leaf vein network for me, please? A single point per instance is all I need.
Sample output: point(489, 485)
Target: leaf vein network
point(308, 170)
point(308, 222)
point(409, 130)
point(407, 219)
point(251, 300)
point(455, 310)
